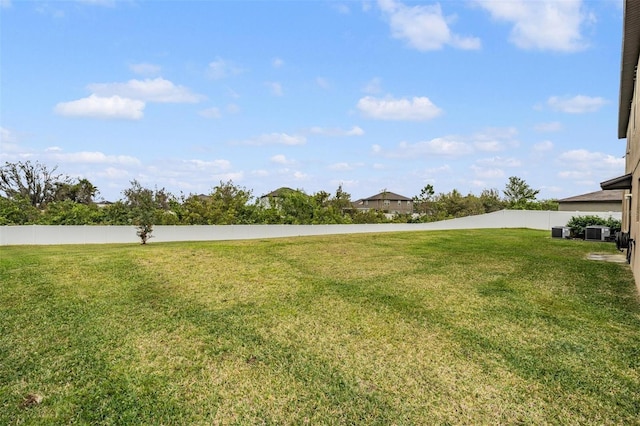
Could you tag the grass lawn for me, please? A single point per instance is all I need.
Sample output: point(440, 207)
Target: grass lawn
point(455, 327)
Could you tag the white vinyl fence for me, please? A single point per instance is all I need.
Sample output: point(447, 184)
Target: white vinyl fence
point(98, 234)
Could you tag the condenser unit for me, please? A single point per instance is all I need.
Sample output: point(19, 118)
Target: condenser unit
point(597, 233)
point(560, 232)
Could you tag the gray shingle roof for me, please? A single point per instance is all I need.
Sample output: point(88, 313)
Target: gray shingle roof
point(391, 196)
point(596, 197)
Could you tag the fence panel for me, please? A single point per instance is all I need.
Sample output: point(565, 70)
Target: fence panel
point(71, 234)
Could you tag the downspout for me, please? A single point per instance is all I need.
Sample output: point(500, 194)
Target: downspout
point(631, 241)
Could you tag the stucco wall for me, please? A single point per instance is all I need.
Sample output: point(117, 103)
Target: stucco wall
point(590, 207)
point(42, 235)
point(631, 213)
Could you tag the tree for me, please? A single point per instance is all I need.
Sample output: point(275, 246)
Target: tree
point(491, 201)
point(146, 208)
point(296, 207)
point(33, 182)
point(68, 212)
point(422, 202)
point(518, 193)
point(227, 204)
point(115, 214)
point(342, 200)
point(17, 212)
point(81, 192)
point(230, 204)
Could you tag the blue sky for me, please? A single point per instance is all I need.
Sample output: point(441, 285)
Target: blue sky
point(370, 95)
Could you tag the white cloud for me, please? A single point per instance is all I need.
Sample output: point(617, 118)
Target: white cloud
point(298, 175)
point(354, 131)
point(572, 174)
point(553, 126)
point(221, 68)
point(114, 107)
point(487, 173)
point(491, 139)
point(281, 159)
point(113, 173)
point(495, 139)
point(216, 165)
point(589, 167)
point(150, 90)
point(277, 63)
point(89, 157)
point(275, 88)
point(542, 24)
point(500, 162)
point(576, 105)
point(260, 173)
point(276, 139)
point(543, 146)
point(145, 69)
point(5, 4)
point(212, 112)
point(447, 146)
point(424, 27)
point(478, 183)
point(416, 109)
point(6, 136)
point(8, 142)
point(373, 86)
point(438, 170)
point(344, 167)
point(589, 159)
point(489, 146)
point(440, 146)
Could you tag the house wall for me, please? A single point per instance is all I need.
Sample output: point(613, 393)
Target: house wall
point(631, 211)
point(591, 206)
point(392, 207)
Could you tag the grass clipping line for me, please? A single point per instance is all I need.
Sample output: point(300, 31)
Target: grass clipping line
point(457, 327)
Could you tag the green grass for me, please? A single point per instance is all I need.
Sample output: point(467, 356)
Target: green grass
point(456, 327)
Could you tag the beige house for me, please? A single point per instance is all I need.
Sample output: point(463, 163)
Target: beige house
point(388, 202)
point(598, 201)
point(628, 127)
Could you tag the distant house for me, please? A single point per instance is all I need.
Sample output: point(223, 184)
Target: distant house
point(104, 203)
point(388, 202)
point(276, 196)
point(598, 201)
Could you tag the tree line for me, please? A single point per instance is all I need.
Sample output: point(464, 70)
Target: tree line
point(32, 193)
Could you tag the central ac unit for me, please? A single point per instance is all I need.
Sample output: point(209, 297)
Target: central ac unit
point(597, 233)
point(560, 232)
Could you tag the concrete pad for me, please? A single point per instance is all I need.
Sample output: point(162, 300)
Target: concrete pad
point(607, 257)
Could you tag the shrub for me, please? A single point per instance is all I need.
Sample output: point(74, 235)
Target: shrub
point(577, 224)
point(144, 232)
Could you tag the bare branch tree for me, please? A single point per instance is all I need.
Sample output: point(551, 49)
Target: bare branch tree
point(33, 182)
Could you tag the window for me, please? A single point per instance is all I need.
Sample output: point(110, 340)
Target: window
point(386, 202)
point(399, 202)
